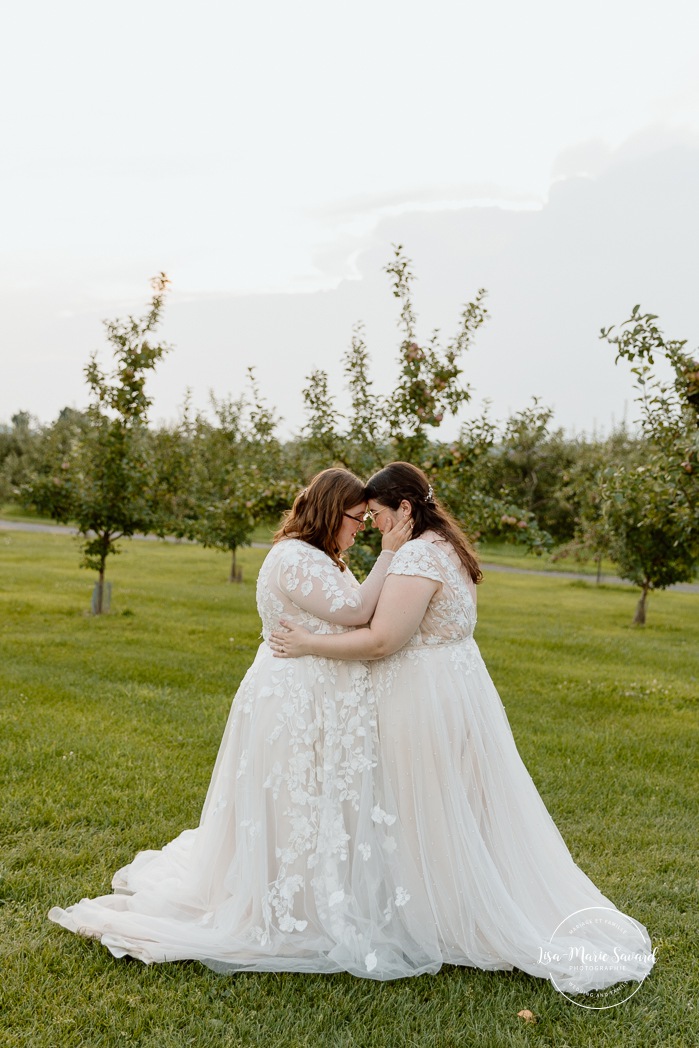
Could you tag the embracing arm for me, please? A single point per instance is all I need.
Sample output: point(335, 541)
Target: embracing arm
point(317, 587)
point(400, 611)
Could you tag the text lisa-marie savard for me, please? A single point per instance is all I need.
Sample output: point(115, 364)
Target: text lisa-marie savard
point(590, 958)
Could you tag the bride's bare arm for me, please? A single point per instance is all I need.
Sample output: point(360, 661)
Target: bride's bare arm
point(400, 611)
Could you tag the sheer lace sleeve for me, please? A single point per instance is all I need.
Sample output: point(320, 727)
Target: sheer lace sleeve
point(315, 584)
point(416, 558)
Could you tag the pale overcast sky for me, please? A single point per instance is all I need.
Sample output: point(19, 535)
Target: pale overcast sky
point(266, 155)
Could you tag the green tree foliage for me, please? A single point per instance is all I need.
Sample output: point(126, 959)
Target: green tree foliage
point(580, 493)
point(651, 509)
point(17, 444)
point(398, 424)
point(46, 485)
point(216, 478)
point(429, 382)
point(99, 472)
point(237, 474)
point(467, 474)
point(173, 500)
point(530, 464)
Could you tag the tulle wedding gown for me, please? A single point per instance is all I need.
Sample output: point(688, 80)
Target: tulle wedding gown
point(288, 868)
point(496, 883)
point(309, 857)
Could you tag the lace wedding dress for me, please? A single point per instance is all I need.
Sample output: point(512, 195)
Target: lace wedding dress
point(290, 868)
point(309, 857)
point(496, 882)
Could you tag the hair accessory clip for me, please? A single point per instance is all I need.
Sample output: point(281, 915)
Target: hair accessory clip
point(429, 497)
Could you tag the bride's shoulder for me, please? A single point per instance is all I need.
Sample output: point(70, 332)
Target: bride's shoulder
point(295, 550)
point(434, 540)
point(420, 544)
point(417, 557)
point(437, 547)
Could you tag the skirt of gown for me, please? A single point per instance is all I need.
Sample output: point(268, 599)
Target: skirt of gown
point(496, 882)
point(289, 868)
point(309, 857)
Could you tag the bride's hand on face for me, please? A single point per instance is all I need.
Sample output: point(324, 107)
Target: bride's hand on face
point(397, 536)
point(291, 641)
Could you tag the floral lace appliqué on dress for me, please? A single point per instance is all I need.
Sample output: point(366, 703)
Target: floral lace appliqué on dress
point(496, 879)
point(287, 869)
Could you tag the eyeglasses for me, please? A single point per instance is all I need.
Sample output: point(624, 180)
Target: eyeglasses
point(370, 515)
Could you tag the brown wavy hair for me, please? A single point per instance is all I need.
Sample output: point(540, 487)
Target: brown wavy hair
point(317, 512)
point(401, 480)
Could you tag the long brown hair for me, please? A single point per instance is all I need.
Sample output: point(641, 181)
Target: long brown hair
point(317, 512)
point(401, 480)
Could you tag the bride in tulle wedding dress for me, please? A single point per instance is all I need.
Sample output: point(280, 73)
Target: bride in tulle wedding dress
point(486, 878)
point(294, 865)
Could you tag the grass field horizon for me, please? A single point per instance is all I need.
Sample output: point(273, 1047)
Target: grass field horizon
point(507, 554)
point(110, 730)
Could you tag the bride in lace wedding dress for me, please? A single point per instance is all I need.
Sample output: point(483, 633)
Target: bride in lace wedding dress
point(484, 871)
point(288, 869)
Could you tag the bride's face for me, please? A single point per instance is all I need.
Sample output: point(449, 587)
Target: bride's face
point(384, 518)
point(352, 522)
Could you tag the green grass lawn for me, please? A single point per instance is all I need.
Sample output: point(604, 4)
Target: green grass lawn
point(514, 556)
point(13, 511)
point(110, 727)
point(502, 553)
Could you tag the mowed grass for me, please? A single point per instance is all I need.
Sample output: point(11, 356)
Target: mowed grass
point(505, 554)
point(110, 728)
point(512, 555)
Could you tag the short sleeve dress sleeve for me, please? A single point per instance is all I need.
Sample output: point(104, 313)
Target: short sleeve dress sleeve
point(417, 557)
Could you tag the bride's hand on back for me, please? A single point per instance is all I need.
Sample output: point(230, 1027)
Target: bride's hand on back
point(398, 535)
point(291, 641)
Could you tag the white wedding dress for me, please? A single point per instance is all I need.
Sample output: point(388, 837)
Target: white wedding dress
point(288, 869)
point(309, 857)
point(496, 883)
